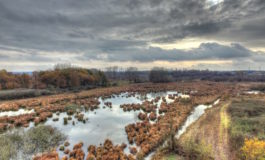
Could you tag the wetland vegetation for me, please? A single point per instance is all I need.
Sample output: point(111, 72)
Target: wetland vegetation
point(136, 121)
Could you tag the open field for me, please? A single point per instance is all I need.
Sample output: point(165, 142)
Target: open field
point(125, 122)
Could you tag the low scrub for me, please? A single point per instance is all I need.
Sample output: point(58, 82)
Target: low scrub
point(22, 145)
point(247, 121)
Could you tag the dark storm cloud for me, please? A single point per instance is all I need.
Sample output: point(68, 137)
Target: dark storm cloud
point(206, 51)
point(123, 29)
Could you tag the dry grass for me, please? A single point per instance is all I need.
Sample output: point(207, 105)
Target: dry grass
point(207, 138)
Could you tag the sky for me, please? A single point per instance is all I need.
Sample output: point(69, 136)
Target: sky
point(175, 34)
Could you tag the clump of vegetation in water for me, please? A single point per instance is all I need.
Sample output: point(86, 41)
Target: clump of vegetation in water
point(61, 148)
point(65, 121)
point(185, 100)
point(71, 109)
point(36, 140)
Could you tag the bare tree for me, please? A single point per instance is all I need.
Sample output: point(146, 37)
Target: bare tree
point(132, 74)
point(159, 75)
point(60, 66)
point(112, 72)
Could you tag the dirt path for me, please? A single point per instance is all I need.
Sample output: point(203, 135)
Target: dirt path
point(223, 146)
point(212, 129)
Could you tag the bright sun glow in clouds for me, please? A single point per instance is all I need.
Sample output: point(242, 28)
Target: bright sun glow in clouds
point(214, 2)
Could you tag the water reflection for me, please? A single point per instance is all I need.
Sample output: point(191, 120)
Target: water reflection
point(195, 115)
point(252, 92)
point(106, 123)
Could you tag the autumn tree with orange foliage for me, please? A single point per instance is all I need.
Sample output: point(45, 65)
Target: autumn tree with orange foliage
point(60, 77)
point(12, 81)
point(72, 77)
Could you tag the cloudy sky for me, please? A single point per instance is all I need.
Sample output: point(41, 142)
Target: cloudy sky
point(190, 34)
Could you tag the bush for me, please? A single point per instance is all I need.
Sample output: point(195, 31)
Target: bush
point(253, 149)
point(159, 75)
point(41, 139)
point(60, 77)
point(72, 78)
point(10, 81)
point(35, 140)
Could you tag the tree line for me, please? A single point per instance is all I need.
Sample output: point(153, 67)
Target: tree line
point(65, 76)
point(60, 78)
point(11, 81)
point(160, 75)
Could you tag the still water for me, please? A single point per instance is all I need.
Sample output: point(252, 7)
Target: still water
point(105, 122)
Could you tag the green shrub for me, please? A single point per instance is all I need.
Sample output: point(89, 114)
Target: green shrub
point(41, 139)
point(35, 140)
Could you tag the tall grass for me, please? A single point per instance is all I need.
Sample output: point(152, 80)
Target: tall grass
point(198, 150)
